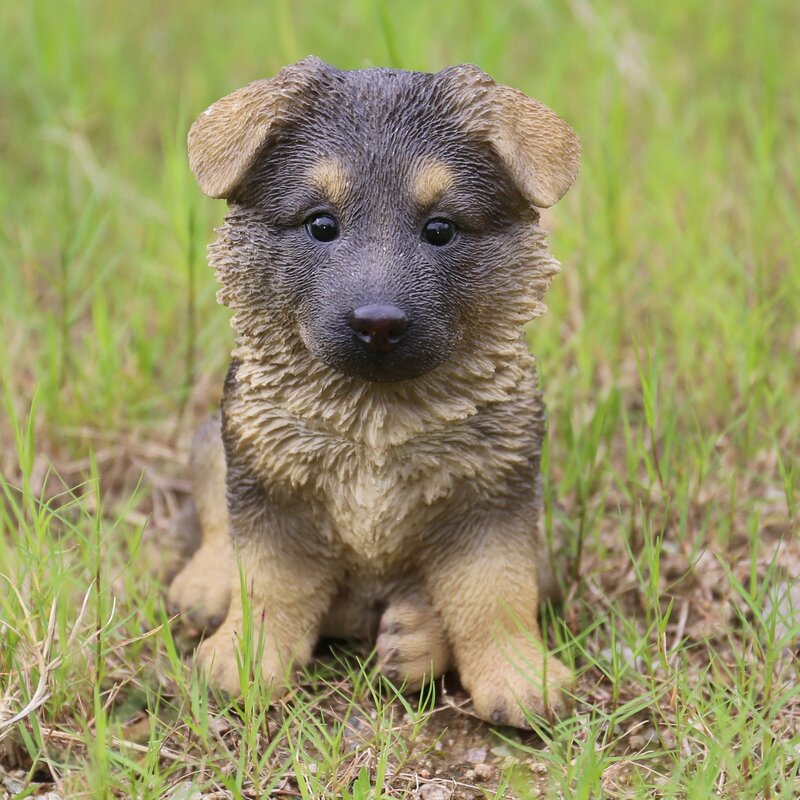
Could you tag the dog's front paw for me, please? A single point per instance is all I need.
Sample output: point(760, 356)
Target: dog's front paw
point(515, 678)
point(228, 668)
point(218, 659)
point(200, 593)
point(412, 645)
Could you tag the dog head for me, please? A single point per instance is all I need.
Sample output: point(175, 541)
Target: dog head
point(386, 218)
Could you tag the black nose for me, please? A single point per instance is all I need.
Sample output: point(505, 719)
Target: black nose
point(379, 327)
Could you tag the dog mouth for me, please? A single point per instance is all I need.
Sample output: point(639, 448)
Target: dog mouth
point(378, 367)
point(391, 362)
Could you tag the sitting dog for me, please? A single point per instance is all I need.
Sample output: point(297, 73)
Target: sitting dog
point(375, 466)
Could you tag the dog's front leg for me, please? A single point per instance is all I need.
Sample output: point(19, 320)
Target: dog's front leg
point(285, 589)
point(483, 580)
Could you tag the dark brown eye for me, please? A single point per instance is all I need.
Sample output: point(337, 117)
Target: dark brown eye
point(322, 227)
point(438, 232)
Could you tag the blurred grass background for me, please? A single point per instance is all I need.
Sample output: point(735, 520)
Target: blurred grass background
point(678, 236)
point(670, 354)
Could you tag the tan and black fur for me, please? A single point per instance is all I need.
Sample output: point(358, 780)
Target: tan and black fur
point(396, 490)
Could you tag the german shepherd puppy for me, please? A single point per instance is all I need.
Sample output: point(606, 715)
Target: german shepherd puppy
point(375, 466)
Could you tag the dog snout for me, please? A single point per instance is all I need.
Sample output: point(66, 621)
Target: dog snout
point(379, 327)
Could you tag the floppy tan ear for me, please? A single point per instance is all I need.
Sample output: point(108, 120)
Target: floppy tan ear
point(226, 138)
point(540, 150)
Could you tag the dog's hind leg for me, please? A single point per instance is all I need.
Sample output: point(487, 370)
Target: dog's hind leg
point(412, 643)
point(200, 592)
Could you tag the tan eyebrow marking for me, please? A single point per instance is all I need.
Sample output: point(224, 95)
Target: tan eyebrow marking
point(430, 182)
point(330, 178)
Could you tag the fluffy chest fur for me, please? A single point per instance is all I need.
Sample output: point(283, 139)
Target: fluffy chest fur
point(379, 483)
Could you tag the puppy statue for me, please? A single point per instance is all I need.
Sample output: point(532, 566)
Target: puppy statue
point(375, 466)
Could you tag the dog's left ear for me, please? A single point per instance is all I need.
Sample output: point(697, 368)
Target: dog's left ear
point(541, 152)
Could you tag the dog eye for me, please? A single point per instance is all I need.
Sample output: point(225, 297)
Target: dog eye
point(438, 232)
point(322, 227)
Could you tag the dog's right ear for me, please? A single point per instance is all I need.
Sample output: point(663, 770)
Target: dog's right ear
point(228, 136)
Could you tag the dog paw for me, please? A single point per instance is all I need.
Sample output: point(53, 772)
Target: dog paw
point(201, 591)
point(412, 645)
point(221, 658)
point(519, 678)
point(217, 658)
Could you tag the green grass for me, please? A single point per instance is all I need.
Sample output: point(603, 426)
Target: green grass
point(670, 357)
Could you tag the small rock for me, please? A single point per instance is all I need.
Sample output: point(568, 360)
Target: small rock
point(434, 791)
point(668, 739)
point(483, 772)
point(637, 741)
point(502, 750)
point(357, 733)
point(220, 725)
point(476, 755)
point(185, 790)
point(626, 658)
point(13, 783)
